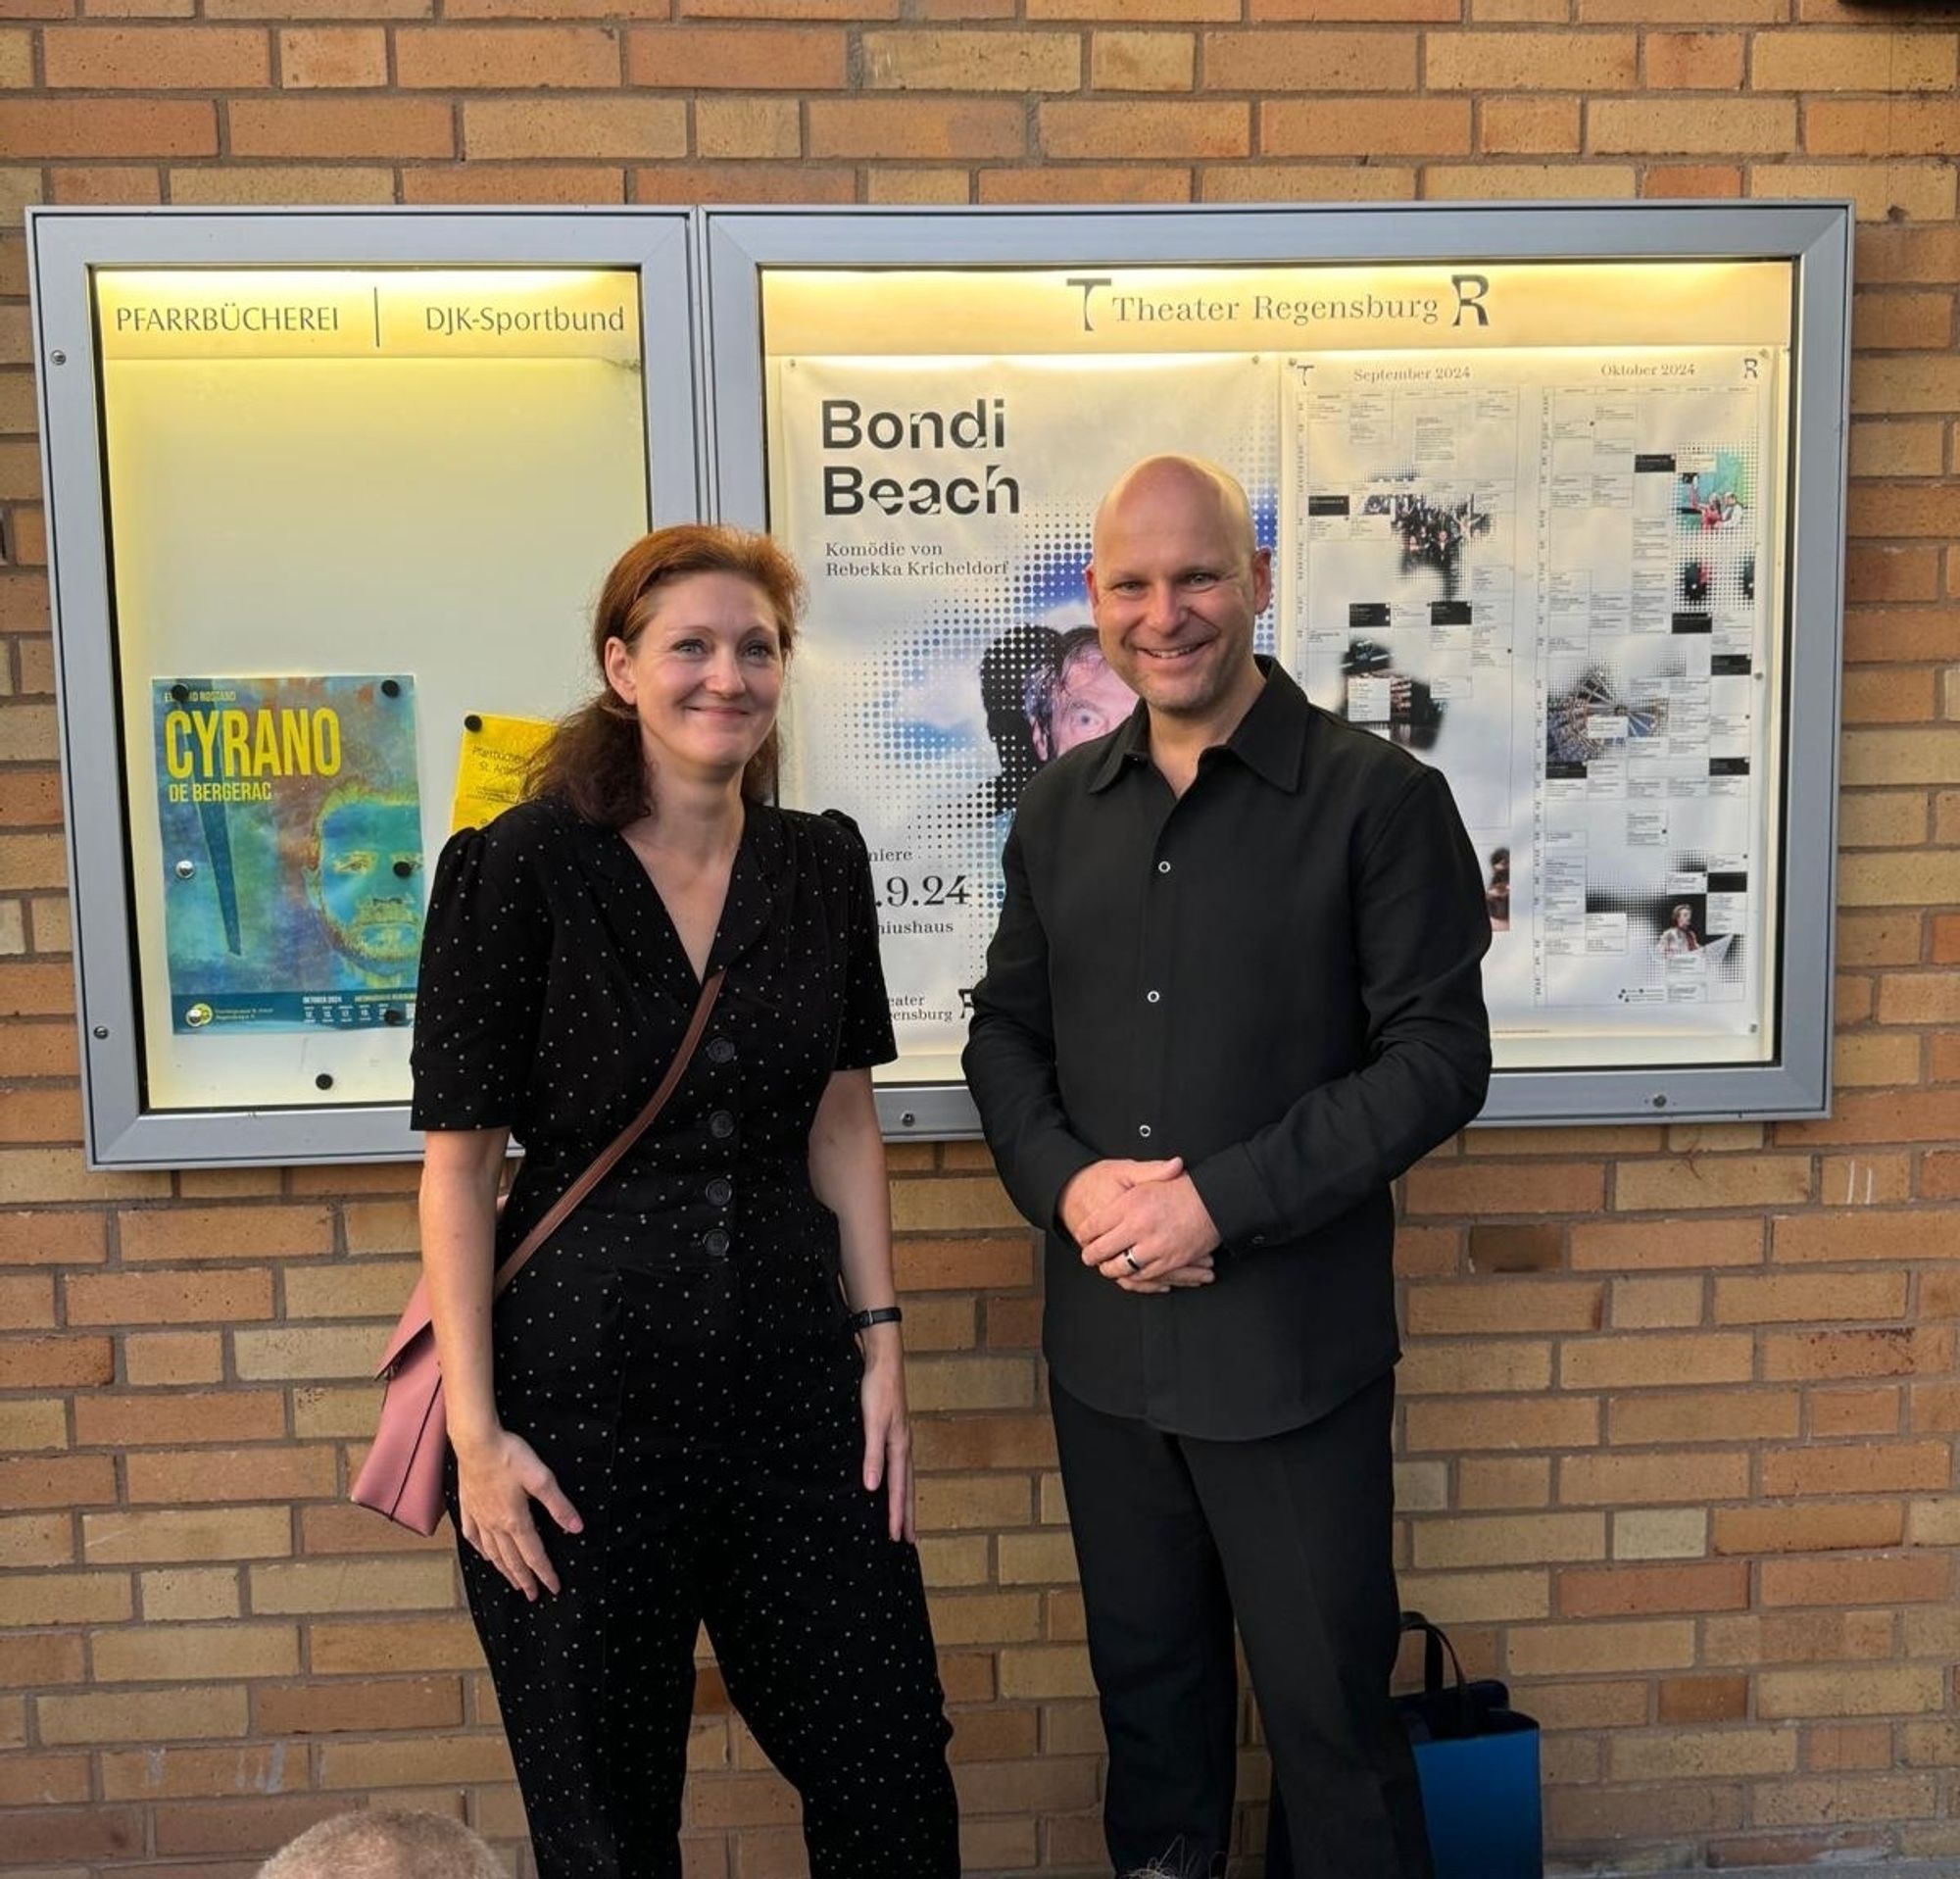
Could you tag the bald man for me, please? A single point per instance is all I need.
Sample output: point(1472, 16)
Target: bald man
point(1233, 994)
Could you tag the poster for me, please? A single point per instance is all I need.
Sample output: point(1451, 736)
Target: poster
point(1548, 574)
point(940, 509)
point(292, 851)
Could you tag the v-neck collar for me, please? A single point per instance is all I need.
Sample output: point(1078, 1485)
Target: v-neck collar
point(759, 879)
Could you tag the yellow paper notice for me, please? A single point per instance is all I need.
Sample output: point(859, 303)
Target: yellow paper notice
point(490, 767)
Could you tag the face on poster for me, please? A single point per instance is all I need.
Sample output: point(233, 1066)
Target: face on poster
point(941, 511)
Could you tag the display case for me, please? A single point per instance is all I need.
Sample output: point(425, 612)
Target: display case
point(330, 496)
point(1554, 498)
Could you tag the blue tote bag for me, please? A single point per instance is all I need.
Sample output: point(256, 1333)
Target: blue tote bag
point(1477, 1759)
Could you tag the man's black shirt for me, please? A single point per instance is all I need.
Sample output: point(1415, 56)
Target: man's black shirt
point(1274, 977)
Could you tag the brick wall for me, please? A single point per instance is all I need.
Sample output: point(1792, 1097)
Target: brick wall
point(1680, 1401)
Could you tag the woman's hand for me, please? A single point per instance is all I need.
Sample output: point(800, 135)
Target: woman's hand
point(888, 1436)
point(497, 1479)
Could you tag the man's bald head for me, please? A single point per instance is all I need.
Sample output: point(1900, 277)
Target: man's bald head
point(386, 1843)
point(1175, 581)
point(1173, 477)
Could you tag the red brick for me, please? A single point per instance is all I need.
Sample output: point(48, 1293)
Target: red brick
point(337, 1706)
point(169, 1298)
point(1312, 60)
point(225, 1232)
point(454, 58)
point(1192, 129)
point(103, 1420)
point(1820, 1527)
point(494, 182)
point(44, 127)
point(1934, 1233)
point(744, 58)
point(902, 127)
point(58, 1481)
point(1883, 1352)
point(390, 128)
point(1837, 1412)
point(1845, 1580)
point(1436, 1188)
point(1087, 182)
point(1693, 61)
point(157, 58)
point(1714, 1585)
point(747, 182)
point(1888, 575)
point(1702, 1699)
point(254, 1826)
point(314, 58)
point(55, 1362)
point(176, 1477)
point(74, 1833)
point(1864, 1467)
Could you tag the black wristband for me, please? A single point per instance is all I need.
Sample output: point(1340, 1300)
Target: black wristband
point(877, 1314)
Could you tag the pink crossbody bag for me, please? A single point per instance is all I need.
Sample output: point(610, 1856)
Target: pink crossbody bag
point(401, 1476)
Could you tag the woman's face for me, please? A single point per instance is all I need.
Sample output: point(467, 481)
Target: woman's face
point(1684, 916)
point(703, 675)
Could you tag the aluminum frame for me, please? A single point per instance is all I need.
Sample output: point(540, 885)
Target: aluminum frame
point(739, 245)
point(64, 245)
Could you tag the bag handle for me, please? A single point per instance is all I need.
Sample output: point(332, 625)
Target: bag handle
point(1435, 1641)
point(567, 1202)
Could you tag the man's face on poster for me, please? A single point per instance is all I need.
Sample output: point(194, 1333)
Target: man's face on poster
point(1088, 701)
point(368, 884)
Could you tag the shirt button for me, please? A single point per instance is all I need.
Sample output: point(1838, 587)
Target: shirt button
point(1152, 997)
point(1163, 867)
point(721, 1050)
point(1143, 1129)
point(715, 1241)
point(721, 1125)
point(720, 1191)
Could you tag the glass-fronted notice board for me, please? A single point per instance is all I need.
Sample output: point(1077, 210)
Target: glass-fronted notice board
point(354, 519)
point(1554, 499)
point(1532, 519)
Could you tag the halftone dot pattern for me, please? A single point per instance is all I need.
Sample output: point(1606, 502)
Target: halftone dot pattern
point(1717, 543)
point(1650, 911)
point(1602, 690)
point(961, 775)
point(923, 725)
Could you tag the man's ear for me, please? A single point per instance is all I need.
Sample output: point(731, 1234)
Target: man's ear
point(1262, 578)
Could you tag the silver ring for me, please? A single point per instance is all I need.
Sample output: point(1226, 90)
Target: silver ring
point(1130, 1259)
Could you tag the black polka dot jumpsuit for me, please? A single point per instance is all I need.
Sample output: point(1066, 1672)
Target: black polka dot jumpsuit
point(678, 1352)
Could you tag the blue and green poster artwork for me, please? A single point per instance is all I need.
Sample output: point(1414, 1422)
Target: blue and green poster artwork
point(292, 851)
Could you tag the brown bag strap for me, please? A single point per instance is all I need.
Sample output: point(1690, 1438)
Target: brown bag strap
point(561, 1208)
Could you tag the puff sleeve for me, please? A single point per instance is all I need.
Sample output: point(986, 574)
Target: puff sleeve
point(486, 949)
point(864, 1036)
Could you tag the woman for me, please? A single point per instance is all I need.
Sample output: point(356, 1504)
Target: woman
point(674, 1377)
point(1678, 938)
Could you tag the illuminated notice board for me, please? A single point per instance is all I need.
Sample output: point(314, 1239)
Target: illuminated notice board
point(351, 519)
point(1554, 497)
point(1534, 519)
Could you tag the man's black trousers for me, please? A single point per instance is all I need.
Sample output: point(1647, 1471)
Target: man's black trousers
point(1289, 1534)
